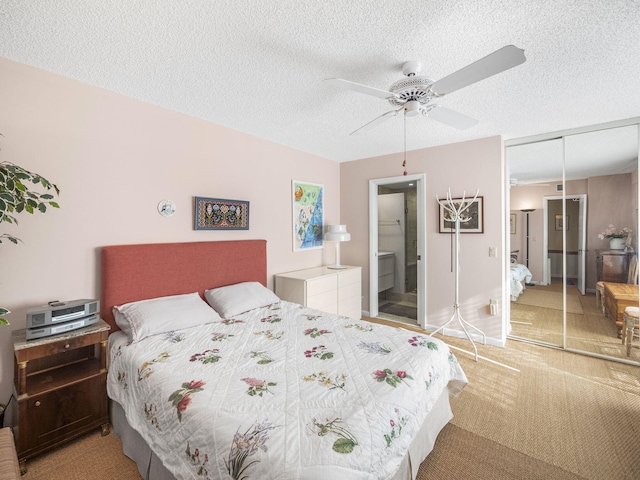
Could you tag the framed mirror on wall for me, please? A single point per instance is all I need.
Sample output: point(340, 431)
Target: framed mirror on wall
point(577, 188)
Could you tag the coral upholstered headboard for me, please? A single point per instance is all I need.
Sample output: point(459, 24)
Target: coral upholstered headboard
point(138, 272)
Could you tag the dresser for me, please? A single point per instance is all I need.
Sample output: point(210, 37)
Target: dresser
point(60, 385)
point(613, 265)
point(329, 290)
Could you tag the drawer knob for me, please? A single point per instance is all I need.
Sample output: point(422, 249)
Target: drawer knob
point(37, 404)
point(66, 345)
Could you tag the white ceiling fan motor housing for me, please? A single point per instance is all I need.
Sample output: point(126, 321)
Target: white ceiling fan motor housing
point(413, 88)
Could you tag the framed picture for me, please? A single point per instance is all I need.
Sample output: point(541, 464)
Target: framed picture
point(221, 214)
point(562, 224)
point(473, 217)
point(512, 223)
point(308, 215)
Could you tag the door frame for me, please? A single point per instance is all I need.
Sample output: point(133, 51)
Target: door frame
point(582, 234)
point(421, 184)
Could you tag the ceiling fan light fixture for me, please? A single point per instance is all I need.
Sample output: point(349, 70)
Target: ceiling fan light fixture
point(412, 108)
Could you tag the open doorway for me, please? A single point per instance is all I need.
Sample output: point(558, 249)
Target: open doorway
point(397, 246)
point(568, 223)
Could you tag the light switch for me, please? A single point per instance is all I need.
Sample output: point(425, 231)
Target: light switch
point(493, 252)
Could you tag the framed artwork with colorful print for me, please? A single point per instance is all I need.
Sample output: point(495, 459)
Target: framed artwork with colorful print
point(221, 214)
point(308, 216)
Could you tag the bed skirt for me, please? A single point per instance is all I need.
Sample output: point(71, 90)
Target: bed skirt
point(151, 467)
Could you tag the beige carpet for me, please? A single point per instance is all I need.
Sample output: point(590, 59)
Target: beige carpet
point(92, 457)
point(528, 412)
point(537, 297)
point(578, 413)
point(589, 331)
point(479, 458)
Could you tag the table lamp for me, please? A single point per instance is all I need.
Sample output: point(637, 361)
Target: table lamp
point(337, 234)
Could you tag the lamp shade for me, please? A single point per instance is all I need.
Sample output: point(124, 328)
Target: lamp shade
point(337, 233)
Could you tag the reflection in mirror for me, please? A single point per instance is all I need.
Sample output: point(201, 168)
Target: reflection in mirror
point(536, 283)
point(570, 259)
point(603, 165)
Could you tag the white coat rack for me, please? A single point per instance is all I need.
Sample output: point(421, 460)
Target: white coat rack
point(456, 216)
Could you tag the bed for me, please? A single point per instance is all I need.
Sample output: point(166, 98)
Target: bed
point(278, 391)
point(520, 276)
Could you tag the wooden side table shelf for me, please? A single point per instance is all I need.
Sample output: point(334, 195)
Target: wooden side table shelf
point(60, 385)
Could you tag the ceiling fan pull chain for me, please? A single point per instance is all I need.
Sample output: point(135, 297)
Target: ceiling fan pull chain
point(404, 163)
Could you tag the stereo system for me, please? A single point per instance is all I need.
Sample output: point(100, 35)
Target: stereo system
point(60, 317)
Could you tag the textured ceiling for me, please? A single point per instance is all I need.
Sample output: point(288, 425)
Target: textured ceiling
point(257, 66)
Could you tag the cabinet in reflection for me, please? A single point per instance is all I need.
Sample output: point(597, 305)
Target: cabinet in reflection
point(613, 265)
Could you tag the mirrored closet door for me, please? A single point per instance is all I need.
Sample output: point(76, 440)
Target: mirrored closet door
point(569, 195)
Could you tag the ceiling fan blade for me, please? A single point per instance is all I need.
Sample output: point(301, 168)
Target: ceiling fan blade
point(356, 87)
point(515, 183)
point(496, 62)
point(375, 122)
point(450, 117)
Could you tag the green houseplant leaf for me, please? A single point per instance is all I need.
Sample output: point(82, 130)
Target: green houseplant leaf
point(16, 197)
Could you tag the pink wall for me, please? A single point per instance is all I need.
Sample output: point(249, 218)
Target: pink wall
point(465, 166)
point(114, 159)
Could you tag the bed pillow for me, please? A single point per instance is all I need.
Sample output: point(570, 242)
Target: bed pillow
point(239, 298)
point(164, 314)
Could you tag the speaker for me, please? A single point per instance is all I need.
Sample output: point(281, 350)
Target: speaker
point(58, 312)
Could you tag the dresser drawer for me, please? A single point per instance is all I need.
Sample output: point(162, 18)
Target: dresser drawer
point(349, 292)
point(318, 286)
point(61, 346)
point(351, 309)
point(325, 301)
point(348, 277)
point(355, 314)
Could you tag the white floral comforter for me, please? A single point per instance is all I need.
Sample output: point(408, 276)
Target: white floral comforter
point(282, 392)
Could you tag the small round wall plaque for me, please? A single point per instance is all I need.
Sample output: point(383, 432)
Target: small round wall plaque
point(166, 208)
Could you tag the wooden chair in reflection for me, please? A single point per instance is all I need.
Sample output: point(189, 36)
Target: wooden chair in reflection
point(631, 315)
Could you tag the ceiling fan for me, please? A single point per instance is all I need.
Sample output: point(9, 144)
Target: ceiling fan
point(413, 95)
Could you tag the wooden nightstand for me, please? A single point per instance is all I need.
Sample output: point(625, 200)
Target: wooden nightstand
point(60, 384)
